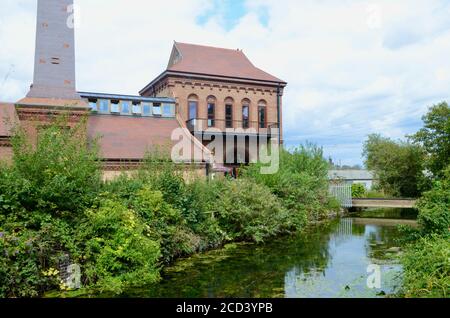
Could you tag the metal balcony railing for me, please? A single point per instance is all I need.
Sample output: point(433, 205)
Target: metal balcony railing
point(225, 125)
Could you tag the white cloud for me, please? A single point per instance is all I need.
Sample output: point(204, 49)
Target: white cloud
point(353, 67)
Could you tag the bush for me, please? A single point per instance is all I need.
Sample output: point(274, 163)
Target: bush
point(301, 183)
point(54, 206)
point(434, 207)
point(166, 224)
point(248, 211)
point(426, 265)
point(183, 222)
point(197, 207)
point(358, 190)
point(59, 174)
point(119, 252)
point(28, 249)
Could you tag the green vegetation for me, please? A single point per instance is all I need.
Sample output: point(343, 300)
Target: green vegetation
point(426, 261)
point(301, 183)
point(374, 194)
point(420, 168)
point(426, 265)
point(434, 207)
point(358, 190)
point(398, 165)
point(54, 206)
point(434, 137)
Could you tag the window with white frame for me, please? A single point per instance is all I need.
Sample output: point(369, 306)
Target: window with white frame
point(157, 109)
point(137, 108)
point(115, 106)
point(93, 105)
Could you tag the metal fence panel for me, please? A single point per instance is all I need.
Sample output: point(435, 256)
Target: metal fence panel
point(342, 192)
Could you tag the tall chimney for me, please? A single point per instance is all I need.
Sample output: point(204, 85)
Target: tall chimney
point(54, 65)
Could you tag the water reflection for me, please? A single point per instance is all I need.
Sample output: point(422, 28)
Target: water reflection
point(327, 261)
point(351, 248)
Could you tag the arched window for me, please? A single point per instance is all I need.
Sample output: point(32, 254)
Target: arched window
point(192, 107)
point(211, 102)
point(262, 114)
point(229, 112)
point(245, 113)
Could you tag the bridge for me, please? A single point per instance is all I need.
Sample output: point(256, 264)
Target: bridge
point(343, 192)
point(382, 203)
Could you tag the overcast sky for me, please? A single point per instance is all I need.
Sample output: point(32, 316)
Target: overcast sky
point(352, 67)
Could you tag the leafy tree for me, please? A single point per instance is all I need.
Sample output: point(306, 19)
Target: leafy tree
point(435, 137)
point(398, 165)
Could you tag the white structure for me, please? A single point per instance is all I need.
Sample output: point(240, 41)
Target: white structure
point(364, 177)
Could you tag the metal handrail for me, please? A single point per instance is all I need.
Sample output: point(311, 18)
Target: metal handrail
point(201, 124)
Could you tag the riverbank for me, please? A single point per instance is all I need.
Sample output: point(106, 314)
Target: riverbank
point(57, 211)
point(329, 259)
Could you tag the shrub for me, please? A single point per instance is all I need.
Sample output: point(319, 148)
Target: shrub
point(434, 207)
point(197, 206)
point(358, 190)
point(119, 252)
point(20, 274)
point(249, 211)
point(28, 249)
point(426, 265)
point(60, 173)
point(301, 182)
point(166, 224)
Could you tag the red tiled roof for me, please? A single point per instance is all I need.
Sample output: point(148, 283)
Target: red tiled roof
point(34, 101)
point(125, 137)
point(8, 118)
point(209, 60)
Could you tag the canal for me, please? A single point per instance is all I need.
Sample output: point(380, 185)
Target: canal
point(328, 260)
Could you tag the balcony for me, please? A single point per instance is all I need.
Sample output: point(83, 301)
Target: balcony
point(246, 127)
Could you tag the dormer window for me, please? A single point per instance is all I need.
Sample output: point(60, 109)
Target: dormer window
point(115, 106)
point(157, 109)
point(136, 108)
point(93, 105)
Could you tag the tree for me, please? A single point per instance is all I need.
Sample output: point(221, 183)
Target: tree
point(434, 137)
point(398, 165)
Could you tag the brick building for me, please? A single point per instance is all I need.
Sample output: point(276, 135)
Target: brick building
point(202, 88)
point(220, 88)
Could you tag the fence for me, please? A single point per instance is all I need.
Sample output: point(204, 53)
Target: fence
point(342, 192)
